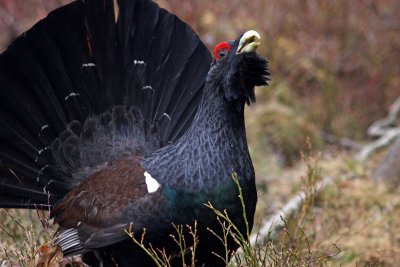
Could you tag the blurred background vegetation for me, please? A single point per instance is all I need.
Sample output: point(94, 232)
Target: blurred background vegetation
point(335, 64)
point(335, 69)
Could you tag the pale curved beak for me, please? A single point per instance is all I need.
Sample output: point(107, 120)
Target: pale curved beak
point(248, 42)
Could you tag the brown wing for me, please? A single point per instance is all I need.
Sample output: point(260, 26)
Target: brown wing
point(99, 200)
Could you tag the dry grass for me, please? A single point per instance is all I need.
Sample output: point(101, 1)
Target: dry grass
point(24, 234)
point(361, 217)
point(363, 220)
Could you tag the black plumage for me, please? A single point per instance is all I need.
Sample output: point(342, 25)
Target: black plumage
point(115, 118)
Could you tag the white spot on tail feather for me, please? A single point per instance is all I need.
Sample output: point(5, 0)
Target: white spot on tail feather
point(40, 152)
point(167, 116)
point(40, 172)
point(141, 62)
point(148, 87)
point(44, 127)
point(88, 65)
point(152, 184)
point(71, 95)
point(43, 150)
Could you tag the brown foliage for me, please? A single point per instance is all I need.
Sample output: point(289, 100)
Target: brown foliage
point(339, 57)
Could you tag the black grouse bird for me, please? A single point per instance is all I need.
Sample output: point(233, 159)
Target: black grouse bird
point(114, 112)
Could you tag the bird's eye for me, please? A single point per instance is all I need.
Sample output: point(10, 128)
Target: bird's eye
point(221, 50)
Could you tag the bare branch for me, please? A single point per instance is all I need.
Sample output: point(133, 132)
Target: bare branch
point(387, 129)
point(271, 226)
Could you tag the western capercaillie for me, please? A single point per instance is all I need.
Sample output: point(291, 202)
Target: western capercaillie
point(115, 114)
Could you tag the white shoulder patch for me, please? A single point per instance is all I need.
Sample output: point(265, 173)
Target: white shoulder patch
point(152, 184)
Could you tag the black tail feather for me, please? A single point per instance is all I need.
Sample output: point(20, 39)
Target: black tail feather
point(73, 70)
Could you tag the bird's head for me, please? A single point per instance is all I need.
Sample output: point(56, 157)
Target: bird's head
point(237, 68)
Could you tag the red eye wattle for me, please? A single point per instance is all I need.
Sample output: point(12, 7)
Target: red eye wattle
point(221, 50)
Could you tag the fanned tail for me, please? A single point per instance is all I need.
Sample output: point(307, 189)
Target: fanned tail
point(87, 83)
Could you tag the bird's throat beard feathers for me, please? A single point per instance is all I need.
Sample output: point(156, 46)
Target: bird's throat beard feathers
point(237, 78)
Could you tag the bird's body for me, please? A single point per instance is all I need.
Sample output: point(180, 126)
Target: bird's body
point(120, 118)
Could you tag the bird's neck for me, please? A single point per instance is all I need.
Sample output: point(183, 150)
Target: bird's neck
point(211, 150)
point(216, 115)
